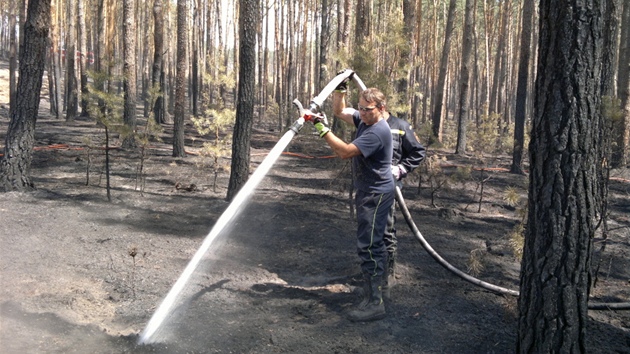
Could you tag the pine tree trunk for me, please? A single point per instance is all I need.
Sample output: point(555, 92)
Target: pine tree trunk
point(15, 164)
point(83, 58)
point(289, 74)
point(248, 16)
point(439, 99)
point(261, 67)
point(521, 90)
point(563, 189)
point(101, 46)
point(13, 58)
point(72, 99)
point(158, 62)
point(54, 71)
point(194, 75)
point(485, 85)
point(405, 65)
point(498, 78)
point(417, 98)
point(129, 73)
point(280, 61)
point(180, 85)
point(464, 99)
point(145, 14)
point(324, 42)
point(362, 22)
point(265, 96)
point(50, 67)
point(622, 131)
point(57, 74)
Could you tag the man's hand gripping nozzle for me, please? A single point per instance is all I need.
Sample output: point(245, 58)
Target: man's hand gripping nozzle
point(319, 120)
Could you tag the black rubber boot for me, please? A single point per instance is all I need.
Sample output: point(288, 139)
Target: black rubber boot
point(373, 309)
point(364, 293)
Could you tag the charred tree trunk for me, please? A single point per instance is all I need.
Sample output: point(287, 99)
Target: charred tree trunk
point(158, 62)
point(180, 84)
point(521, 89)
point(83, 59)
point(563, 188)
point(15, 164)
point(100, 65)
point(13, 58)
point(54, 70)
point(464, 95)
point(622, 130)
point(194, 66)
point(248, 11)
point(72, 96)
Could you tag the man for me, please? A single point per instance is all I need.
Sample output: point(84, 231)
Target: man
point(371, 153)
point(408, 153)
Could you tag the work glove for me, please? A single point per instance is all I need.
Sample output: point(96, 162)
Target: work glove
point(399, 172)
point(321, 124)
point(343, 86)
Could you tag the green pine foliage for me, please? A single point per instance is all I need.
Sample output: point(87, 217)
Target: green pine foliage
point(215, 122)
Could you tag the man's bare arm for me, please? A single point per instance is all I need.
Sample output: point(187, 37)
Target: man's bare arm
point(339, 107)
point(340, 147)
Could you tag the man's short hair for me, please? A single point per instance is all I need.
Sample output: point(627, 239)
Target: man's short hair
point(374, 95)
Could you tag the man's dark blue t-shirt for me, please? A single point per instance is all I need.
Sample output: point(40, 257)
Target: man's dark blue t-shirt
point(373, 168)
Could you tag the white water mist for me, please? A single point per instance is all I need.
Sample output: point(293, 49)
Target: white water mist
point(235, 207)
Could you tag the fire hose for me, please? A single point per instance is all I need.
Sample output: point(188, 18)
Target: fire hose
point(473, 280)
point(313, 110)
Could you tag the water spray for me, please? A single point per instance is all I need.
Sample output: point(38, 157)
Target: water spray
point(235, 207)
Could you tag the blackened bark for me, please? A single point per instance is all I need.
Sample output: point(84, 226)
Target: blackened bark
point(83, 59)
point(72, 96)
point(15, 164)
point(622, 131)
point(563, 189)
point(158, 55)
point(194, 67)
point(13, 58)
point(180, 81)
point(248, 11)
point(464, 95)
point(521, 88)
point(54, 66)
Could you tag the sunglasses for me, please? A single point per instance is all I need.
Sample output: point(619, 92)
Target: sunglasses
point(366, 109)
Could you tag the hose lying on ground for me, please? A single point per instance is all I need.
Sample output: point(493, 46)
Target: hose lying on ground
point(473, 280)
point(459, 273)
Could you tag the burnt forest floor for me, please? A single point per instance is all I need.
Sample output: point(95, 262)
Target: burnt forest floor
point(81, 274)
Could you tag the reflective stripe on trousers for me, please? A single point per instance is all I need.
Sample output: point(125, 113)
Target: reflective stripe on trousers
point(372, 211)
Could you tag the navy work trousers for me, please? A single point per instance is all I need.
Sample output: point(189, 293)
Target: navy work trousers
point(372, 211)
